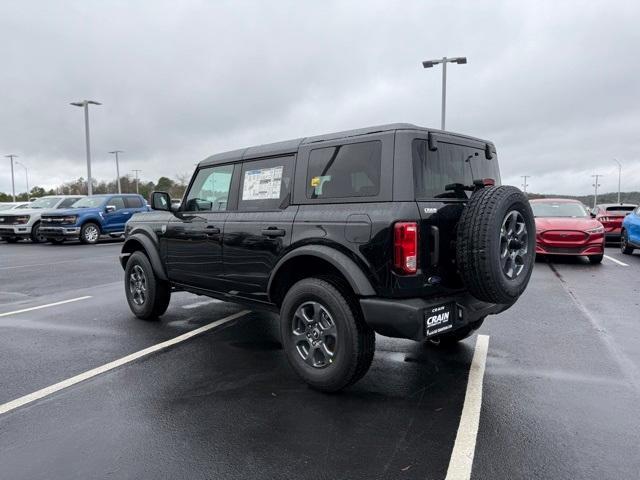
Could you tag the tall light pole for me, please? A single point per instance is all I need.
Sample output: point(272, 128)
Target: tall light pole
point(134, 170)
point(524, 182)
point(11, 156)
point(619, 177)
point(116, 152)
point(444, 61)
point(596, 185)
point(85, 104)
point(26, 176)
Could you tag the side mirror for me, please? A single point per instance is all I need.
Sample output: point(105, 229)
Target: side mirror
point(110, 208)
point(160, 201)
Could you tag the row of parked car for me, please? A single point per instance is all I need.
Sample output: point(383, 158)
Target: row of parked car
point(567, 227)
point(69, 217)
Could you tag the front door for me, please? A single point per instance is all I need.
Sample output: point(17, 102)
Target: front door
point(116, 215)
point(257, 233)
point(194, 236)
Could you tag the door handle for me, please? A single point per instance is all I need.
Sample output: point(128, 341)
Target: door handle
point(212, 230)
point(273, 232)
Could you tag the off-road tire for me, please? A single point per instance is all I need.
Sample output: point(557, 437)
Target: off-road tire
point(624, 243)
point(452, 338)
point(35, 234)
point(355, 343)
point(158, 292)
point(84, 231)
point(479, 244)
point(596, 259)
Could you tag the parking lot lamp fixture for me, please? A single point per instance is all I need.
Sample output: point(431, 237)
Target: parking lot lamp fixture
point(524, 182)
point(596, 185)
point(137, 182)
point(619, 177)
point(116, 152)
point(11, 156)
point(85, 104)
point(444, 61)
point(26, 176)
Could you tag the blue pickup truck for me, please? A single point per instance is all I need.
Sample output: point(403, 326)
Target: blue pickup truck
point(91, 217)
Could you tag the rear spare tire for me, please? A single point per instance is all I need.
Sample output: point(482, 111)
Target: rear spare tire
point(496, 244)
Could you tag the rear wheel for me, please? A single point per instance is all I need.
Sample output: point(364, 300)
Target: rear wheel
point(36, 237)
point(147, 295)
point(325, 338)
point(624, 243)
point(90, 233)
point(596, 259)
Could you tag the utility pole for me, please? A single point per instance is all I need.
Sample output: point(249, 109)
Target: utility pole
point(137, 181)
point(524, 182)
point(11, 156)
point(26, 176)
point(116, 152)
point(596, 185)
point(444, 61)
point(619, 177)
point(85, 104)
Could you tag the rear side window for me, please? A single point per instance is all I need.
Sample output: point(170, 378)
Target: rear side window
point(265, 184)
point(343, 171)
point(450, 164)
point(133, 202)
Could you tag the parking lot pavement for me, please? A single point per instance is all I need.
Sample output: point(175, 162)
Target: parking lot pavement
point(560, 388)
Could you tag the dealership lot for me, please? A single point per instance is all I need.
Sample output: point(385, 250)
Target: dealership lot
point(560, 399)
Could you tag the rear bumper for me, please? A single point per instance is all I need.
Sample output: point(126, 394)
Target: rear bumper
point(406, 318)
point(15, 231)
point(60, 232)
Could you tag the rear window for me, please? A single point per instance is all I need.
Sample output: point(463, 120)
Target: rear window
point(344, 171)
point(620, 208)
point(450, 164)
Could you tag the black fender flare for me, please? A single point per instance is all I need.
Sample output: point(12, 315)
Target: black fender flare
point(345, 265)
point(150, 249)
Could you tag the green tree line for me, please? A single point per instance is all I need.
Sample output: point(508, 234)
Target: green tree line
point(175, 187)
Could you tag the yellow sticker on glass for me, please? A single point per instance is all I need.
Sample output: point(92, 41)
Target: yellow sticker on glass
point(315, 181)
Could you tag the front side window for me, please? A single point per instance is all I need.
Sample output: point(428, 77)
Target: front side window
point(67, 202)
point(117, 202)
point(440, 173)
point(210, 190)
point(343, 171)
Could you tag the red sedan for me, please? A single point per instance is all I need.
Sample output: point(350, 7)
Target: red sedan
point(611, 215)
point(564, 227)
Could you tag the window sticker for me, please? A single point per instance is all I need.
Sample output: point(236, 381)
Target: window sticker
point(262, 184)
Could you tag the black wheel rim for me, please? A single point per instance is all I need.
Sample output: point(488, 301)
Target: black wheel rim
point(138, 285)
point(623, 243)
point(514, 244)
point(314, 335)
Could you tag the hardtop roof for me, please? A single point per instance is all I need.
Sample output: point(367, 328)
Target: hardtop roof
point(291, 146)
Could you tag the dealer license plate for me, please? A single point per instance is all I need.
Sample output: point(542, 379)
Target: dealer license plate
point(438, 319)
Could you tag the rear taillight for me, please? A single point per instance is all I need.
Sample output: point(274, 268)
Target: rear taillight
point(405, 247)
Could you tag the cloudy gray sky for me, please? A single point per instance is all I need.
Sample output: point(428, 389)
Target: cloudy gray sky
point(554, 84)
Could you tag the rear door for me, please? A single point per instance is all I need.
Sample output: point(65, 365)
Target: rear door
point(193, 239)
point(258, 231)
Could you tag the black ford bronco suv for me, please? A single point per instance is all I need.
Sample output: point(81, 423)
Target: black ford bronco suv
point(395, 229)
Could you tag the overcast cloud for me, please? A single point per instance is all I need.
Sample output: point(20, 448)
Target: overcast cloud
point(554, 84)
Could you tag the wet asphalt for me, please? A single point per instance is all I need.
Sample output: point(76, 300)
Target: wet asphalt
point(561, 388)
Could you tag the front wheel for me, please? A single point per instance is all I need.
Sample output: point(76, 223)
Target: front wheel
point(325, 338)
point(596, 259)
point(36, 237)
point(147, 295)
point(624, 243)
point(90, 233)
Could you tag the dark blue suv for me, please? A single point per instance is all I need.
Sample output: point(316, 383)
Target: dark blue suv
point(91, 217)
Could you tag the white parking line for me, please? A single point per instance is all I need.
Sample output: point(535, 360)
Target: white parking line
point(32, 397)
point(50, 263)
point(465, 445)
point(15, 312)
point(616, 261)
point(202, 303)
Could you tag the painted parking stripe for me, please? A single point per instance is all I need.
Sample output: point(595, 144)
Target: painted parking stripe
point(202, 303)
point(39, 307)
point(465, 445)
point(616, 261)
point(32, 397)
